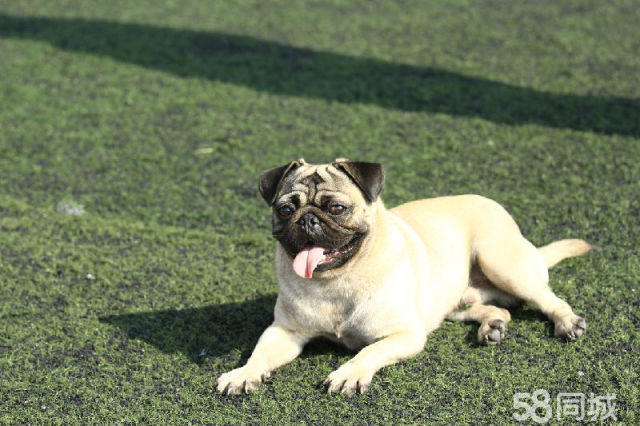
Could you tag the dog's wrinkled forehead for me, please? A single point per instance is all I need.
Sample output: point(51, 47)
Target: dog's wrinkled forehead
point(311, 184)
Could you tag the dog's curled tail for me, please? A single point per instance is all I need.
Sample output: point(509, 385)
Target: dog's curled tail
point(558, 250)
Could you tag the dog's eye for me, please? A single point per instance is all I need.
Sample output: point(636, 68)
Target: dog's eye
point(337, 209)
point(285, 211)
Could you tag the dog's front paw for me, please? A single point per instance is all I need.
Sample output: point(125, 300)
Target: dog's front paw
point(349, 379)
point(240, 380)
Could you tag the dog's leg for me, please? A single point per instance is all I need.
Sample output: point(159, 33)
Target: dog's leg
point(277, 346)
point(491, 318)
point(514, 265)
point(356, 374)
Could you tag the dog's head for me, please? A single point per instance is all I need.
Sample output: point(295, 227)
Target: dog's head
point(322, 213)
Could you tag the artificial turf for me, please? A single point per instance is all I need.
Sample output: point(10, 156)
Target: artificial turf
point(157, 118)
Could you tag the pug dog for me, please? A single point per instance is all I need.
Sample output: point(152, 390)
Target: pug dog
point(379, 280)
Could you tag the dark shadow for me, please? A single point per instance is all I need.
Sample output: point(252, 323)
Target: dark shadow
point(200, 333)
point(532, 314)
point(519, 313)
point(216, 330)
point(281, 69)
point(323, 346)
point(211, 331)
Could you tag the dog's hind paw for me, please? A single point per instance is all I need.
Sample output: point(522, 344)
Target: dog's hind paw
point(492, 332)
point(571, 327)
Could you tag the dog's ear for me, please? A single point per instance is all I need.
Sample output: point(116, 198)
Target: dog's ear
point(271, 180)
point(369, 177)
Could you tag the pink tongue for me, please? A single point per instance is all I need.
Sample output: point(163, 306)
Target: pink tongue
point(306, 261)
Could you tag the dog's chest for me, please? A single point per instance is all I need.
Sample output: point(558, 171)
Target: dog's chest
point(350, 329)
point(338, 318)
point(352, 335)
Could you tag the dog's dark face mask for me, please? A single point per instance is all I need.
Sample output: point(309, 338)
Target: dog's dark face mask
point(319, 210)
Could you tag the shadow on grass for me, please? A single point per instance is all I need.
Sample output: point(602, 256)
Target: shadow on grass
point(520, 313)
point(211, 331)
point(281, 69)
point(199, 333)
point(531, 314)
point(217, 330)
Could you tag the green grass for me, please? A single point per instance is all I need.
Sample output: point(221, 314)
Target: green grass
point(157, 117)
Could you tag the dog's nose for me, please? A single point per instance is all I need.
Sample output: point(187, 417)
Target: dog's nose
point(309, 222)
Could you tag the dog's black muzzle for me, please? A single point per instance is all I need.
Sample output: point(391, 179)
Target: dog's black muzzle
point(310, 224)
